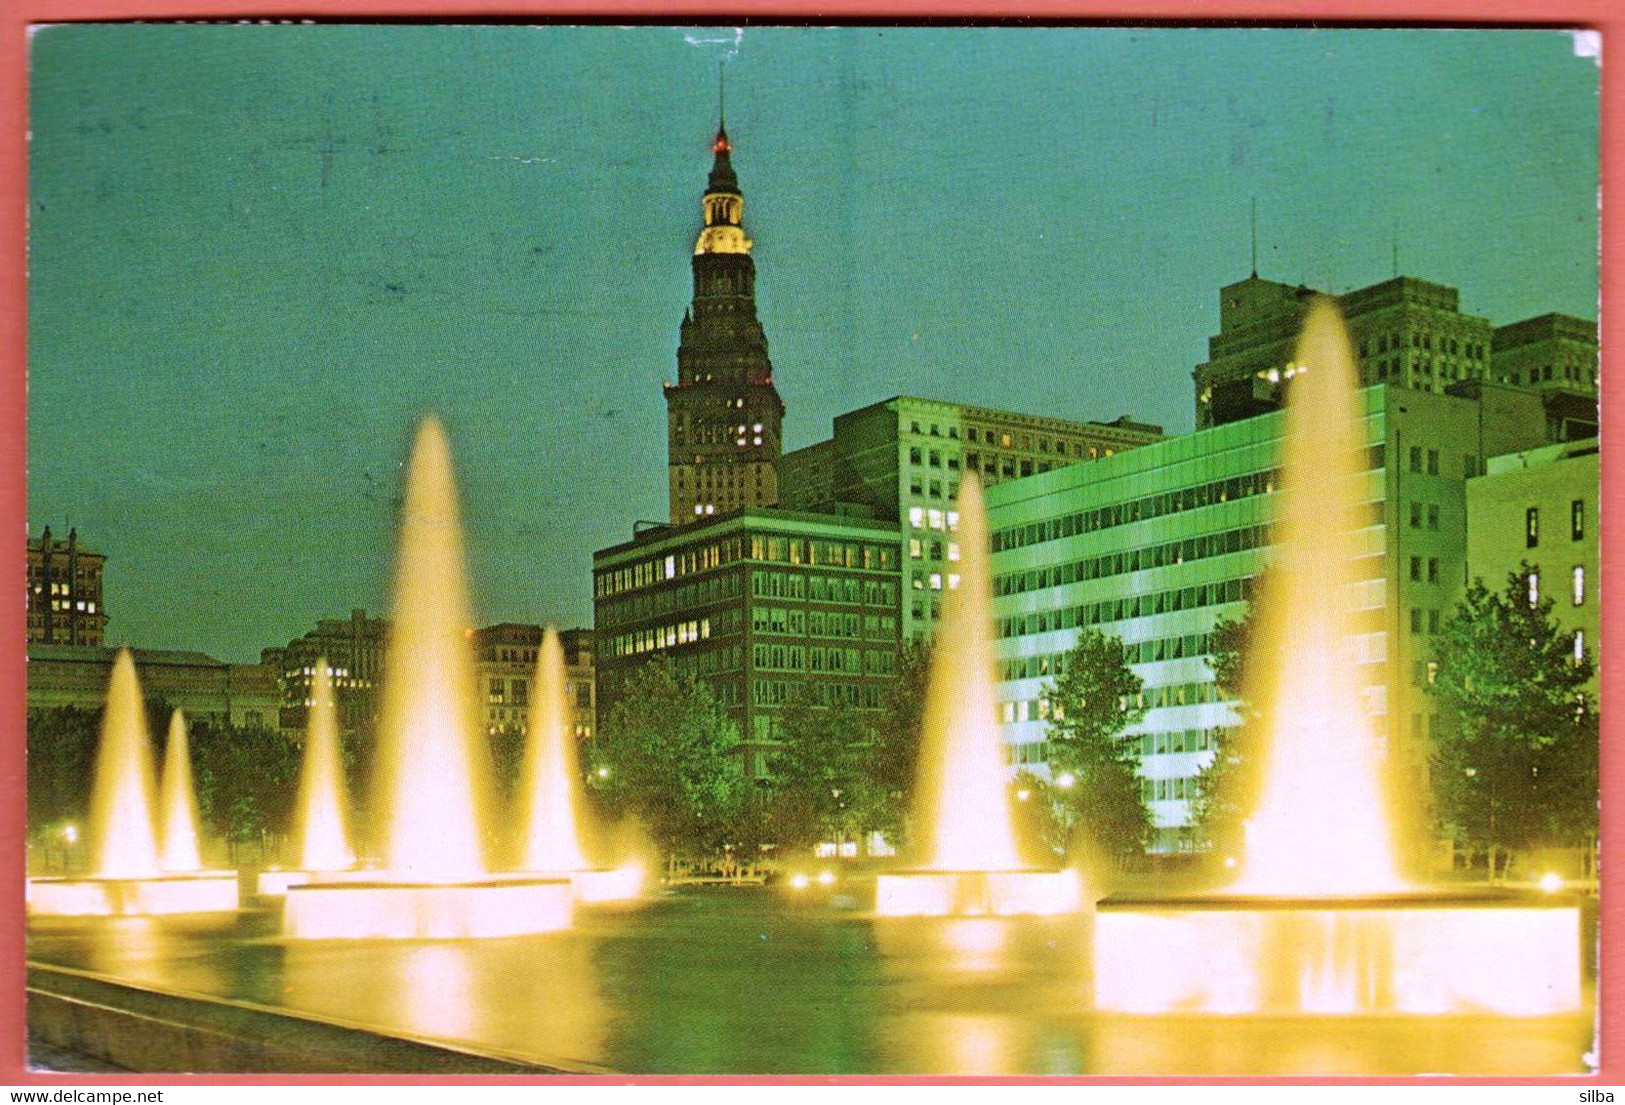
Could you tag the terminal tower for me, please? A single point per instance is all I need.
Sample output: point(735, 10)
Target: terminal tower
point(723, 415)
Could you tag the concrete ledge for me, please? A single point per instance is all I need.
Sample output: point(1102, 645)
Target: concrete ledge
point(141, 1029)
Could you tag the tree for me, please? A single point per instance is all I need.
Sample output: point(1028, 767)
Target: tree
point(1094, 699)
point(1220, 808)
point(61, 759)
point(667, 753)
point(894, 754)
point(247, 778)
point(821, 774)
point(1515, 754)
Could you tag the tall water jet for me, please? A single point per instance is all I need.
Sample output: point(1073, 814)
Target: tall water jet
point(320, 804)
point(1320, 920)
point(130, 875)
point(123, 843)
point(973, 865)
point(431, 796)
point(323, 843)
point(553, 815)
point(1318, 738)
point(178, 801)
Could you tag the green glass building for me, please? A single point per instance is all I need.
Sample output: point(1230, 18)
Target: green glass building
point(1157, 544)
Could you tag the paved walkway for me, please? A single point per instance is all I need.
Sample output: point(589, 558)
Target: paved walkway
point(48, 1057)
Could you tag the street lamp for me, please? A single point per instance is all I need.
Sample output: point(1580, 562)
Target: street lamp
point(1066, 780)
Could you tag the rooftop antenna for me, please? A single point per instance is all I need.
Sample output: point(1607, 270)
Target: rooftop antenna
point(1255, 237)
point(722, 92)
point(1396, 249)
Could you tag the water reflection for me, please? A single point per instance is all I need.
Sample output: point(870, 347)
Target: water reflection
point(740, 982)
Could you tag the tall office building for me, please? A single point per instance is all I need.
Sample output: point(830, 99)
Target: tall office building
point(769, 608)
point(902, 460)
point(354, 650)
point(723, 415)
point(64, 592)
point(1157, 545)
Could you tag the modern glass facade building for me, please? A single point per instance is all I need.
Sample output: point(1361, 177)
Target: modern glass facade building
point(1158, 544)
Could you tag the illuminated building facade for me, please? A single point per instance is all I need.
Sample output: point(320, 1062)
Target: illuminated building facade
point(505, 659)
point(768, 608)
point(354, 650)
point(1157, 545)
point(206, 688)
point(903, 459)
point(1539, 508)
point(723, 415)
point(64, 592)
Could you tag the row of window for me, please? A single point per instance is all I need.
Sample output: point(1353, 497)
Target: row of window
point(1150, 698)
point(772, 548)
point(775, 656)
point(821, 588)
point(707, 591)
point(777, 692)
point(1261, 482)
point(1577, 586)
point(1182, 788)
point(792, 622)
point(1577, 524)
point(1132, 560)
point(1007, 440)
point(1239, 589)
point(1180, 740)
point(1139, 652)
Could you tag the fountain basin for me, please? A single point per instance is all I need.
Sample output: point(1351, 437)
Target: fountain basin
point(1502, 953)
point(202, 892)
point(602, 885)
point(275, 882)
point(381, 909)
point(978, 893)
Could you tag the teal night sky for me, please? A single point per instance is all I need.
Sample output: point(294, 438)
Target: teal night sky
point(258, 254)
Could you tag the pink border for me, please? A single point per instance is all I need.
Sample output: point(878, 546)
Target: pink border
point(15, 19)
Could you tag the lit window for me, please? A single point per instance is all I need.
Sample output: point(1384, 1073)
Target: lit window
point(916, 516)
point(916, 548)
point(1531, 527)
point(1579, 585)
point(1577, 520)
point(935, 517)
point(953, 547)
point(953, 520)
point(953, 581)
point(1579, 645)
point(1534, 588)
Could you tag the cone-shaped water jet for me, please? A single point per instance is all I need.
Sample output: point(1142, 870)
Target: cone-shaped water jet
point(1320, 920)
point(179, 802)
point(130, 876)
point(973, 864)
point(122, 840)
point(430, 800)
point(1318, 739)
point(432, 774)
point(323, 842)
point(552, 776)
point(963, 800)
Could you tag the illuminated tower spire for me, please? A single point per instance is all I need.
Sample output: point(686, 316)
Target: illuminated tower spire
point(723, 414)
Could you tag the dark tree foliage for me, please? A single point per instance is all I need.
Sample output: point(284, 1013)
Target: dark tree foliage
point(822, 777)
point(1220, 806)
point(247, 778)
point(895, 752)
point(671, 760)
point(1515, 752)
point(61, 758)
point(1095, 697)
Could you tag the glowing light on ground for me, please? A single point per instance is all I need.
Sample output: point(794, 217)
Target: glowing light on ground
point(432, 798)
point(1321, 921)
point(973, 864)
point(179, 803)
point(1443, 955)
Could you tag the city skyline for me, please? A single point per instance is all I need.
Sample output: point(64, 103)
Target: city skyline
point(307, 252)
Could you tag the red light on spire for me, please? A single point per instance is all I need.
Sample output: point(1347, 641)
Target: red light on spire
point(721, 145)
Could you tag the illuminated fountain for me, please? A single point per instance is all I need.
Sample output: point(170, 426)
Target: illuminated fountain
point(133, 875)
point(551, 791)
point(972, 862)
point(1319, 919)
point(431, 796)
point(324, 849)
